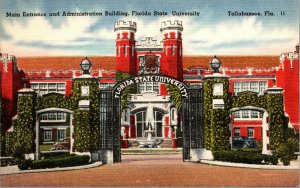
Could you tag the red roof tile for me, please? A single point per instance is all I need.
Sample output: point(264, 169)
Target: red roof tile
point(108, 62)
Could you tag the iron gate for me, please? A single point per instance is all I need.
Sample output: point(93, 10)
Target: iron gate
point(193, 130)
point(110, 123)
point(192, 122)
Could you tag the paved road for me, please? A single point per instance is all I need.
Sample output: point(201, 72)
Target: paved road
point(156, 170)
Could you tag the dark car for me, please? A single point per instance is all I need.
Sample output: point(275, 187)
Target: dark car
point(243, 142)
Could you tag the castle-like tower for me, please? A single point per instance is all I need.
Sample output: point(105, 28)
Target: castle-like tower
point(125, 46)
point(172, 48)
point(169, 51)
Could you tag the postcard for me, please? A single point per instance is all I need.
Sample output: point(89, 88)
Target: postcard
point(149, 93)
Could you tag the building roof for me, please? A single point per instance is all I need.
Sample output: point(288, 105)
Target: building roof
point(108, 62)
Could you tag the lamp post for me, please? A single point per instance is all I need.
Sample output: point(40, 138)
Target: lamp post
point(215, 64)
point(86, 65)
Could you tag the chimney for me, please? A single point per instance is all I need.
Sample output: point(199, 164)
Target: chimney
point(297, 48)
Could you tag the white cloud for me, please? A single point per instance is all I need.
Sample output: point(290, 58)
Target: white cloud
point(199, 38)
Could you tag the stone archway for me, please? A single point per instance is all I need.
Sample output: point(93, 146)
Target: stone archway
point(265, 126)
point(46, 110)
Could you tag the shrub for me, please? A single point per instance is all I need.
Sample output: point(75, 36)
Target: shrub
point(251, 150)
point(54, 154)
point(24, 164)
point(8, 161)
point(286, 150)
point(238, 157)
point(61, 161)
point(270, 159)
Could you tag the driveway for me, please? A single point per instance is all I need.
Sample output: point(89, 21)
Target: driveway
point(156, 170)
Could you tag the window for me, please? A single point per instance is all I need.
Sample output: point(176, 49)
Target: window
point(254, 114)
point(125, 49)
point(53, 117)
point(236, 114)
point(250, 132)
point(173, 49)
point(60, 134)
point(141, 87)
point(262, 87)
point(180, 50)
point(236, 132)
point(173, 111)
point(245, 86)
point(158, 123)
point(118, 50)
point(149, 86)
point(105, 85)
point(48, 135)
point(245, 113)
point(236, 87)
point(45, 88)
point(132, 50)
point(254, 86)
point(140, 123)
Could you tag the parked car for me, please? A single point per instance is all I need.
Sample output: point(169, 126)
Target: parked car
point(243, 142)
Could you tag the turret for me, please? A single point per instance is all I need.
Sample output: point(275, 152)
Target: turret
point(172, 45)
point(125, 46)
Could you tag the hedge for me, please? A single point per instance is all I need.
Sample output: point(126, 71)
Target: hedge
point(248, 157)
point(67, 161)
point(238, 157)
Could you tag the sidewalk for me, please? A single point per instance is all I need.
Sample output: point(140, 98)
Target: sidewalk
point(15, 170)
point(293, 166)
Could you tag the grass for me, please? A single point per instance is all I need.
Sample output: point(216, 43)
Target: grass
point(46, 147)
point(152, 151)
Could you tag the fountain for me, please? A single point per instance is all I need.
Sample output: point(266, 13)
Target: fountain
point(150, 142)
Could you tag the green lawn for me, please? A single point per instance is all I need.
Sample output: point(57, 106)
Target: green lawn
point(46, 147)
point(151, 151)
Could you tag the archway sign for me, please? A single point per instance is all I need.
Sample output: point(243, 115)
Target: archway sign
point(150, 78)
point(110, 116)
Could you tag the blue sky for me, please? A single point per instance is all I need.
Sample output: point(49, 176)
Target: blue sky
point(213, 32)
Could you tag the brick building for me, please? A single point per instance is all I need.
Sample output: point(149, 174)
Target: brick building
point(56, 74)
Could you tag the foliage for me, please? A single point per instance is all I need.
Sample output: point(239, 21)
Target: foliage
point(7, 161)
point(276, 119)
point(238, 157)
point(52, 154)
point(82, 130)
point(91, 121)
point(23, 126)
point(55, 100)
point(251, 150)
point(127, 90)
point(65, 161)
point(175, 96)
point(248, 99)
point(213, 136)
point(9, 143)
point(219, 130)
point(270, 159)
point(286, 150)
